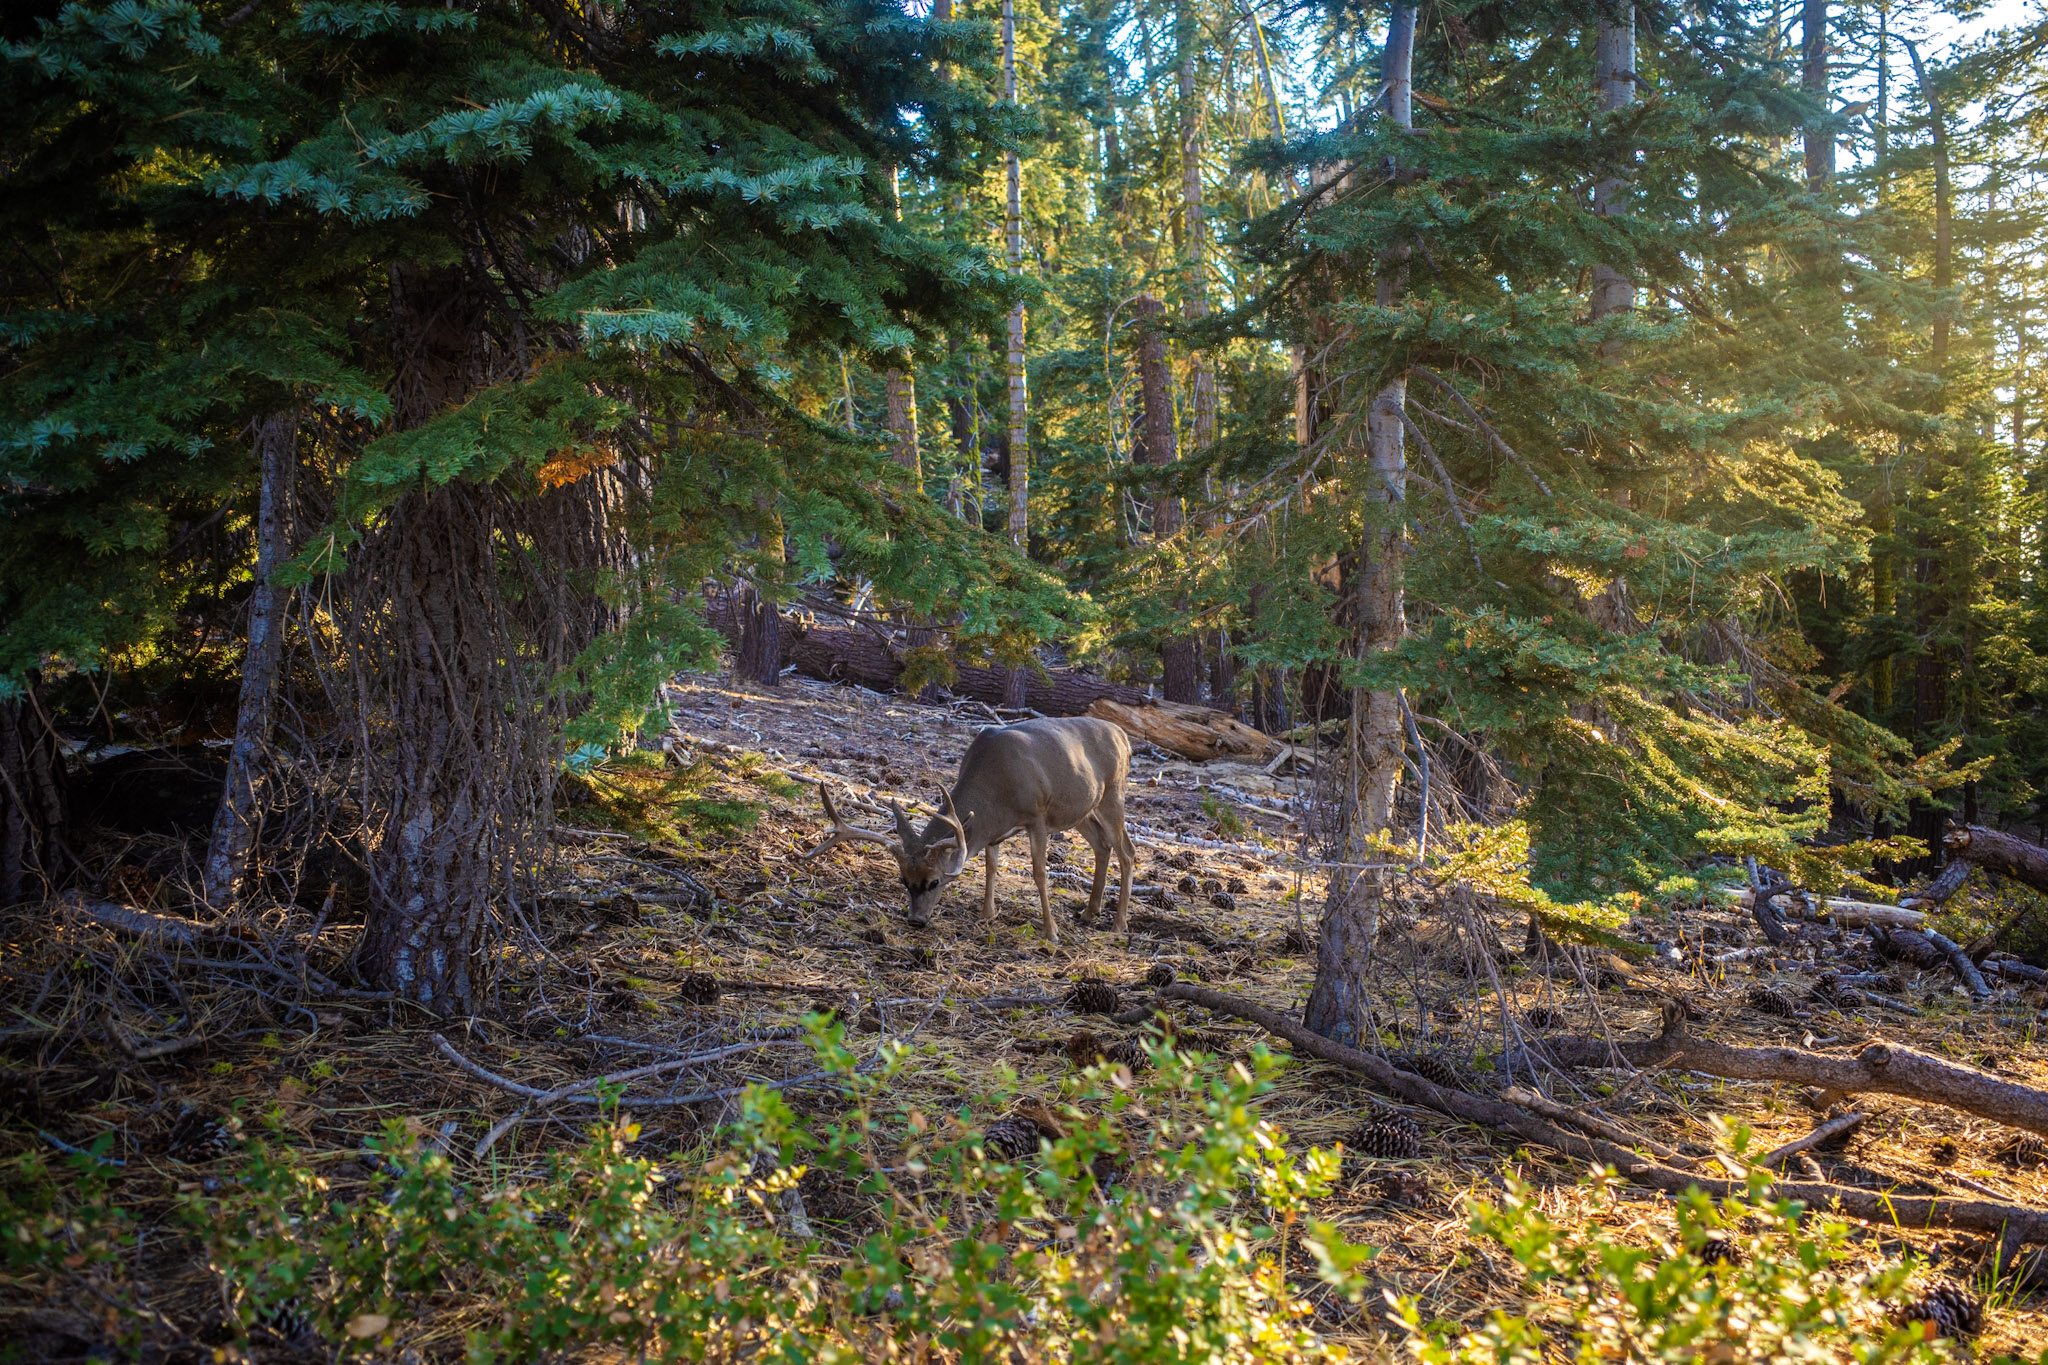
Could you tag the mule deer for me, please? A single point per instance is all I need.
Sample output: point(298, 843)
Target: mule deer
point(1038, 776)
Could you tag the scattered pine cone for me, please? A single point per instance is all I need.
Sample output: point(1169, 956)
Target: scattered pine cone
point(1127, 1053)
point(132, 885)
point(1542, 1016)
point(1235, 886)
point(1084, 1048)
point(698, 988)
point(1402, 1187)
point(1094, 997)
point(1187, 886)
point(620, 909)
point(199, 1136)
point(1433, 1069)
point(1945, 1152)
point(1768, 1001)
point(1011, 1139)
point(2026, 1150)
point(1183, 859)
point(1159, 976)
point(1223, 900)
point(1720, 1249)
point(1160, 897)
point(1211, 885)
point(1389, 1137)
point(1298, 940)
point(1955, 1312)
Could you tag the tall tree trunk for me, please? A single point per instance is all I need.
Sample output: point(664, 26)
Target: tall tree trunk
point(1339, 1005)
point(1813, 79)
point(1883, 559)
point(235, 822)
point(1614, 76)
point(455, 615)
point(34, 813)
point(1180, 668)
point(1013, 252)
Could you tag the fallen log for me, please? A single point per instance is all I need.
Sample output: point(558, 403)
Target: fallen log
point(856, 654)
point(1839, 910)
point(1195, 732)
point(1878, 1067)
point(2018, 1223)
point(2000, 853)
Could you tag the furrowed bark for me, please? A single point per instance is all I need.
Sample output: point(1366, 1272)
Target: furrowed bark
point(2016, 1221)
point(2001, 853)
point(1013, 250)
point(1372, 766)
point(1813, 79)
point(1180, 668)
point(235, 823)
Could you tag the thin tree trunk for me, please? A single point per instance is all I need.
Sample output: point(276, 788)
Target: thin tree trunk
point(1614, 68)
point(1813, 78)
point(235, 822)
point(758, 655)
point(34, 813)
point(1338, 1006)
point(1013, 251)
point(1180, 667)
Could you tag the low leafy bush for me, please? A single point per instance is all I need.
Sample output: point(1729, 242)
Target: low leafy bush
point(1745, 1280)
point(1152, 1225)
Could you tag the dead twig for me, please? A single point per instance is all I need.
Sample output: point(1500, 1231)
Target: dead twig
point(1833, 1128)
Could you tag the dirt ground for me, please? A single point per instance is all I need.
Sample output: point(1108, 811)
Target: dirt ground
point(611, 963)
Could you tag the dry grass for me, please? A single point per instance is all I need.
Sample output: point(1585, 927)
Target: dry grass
point(624, 922)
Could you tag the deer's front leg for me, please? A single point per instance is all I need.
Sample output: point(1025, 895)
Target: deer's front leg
point(988, 883)
point(1039, 840)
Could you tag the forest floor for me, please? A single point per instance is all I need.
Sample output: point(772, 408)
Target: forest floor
point(685, 862)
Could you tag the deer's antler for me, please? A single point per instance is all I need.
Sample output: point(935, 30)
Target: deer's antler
point(843, 833)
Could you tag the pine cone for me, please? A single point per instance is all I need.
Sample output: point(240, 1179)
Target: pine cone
point(1187, 886)
point(1543, 1017)
point(1223, 900)
point(1159, 976)
point(1955, 1312)
point(1094, 997)
point(1126, 1053)
point(1388, 1137)
point(1433, 1069)
point(1211, 885)
point(288, 1321)
point(1720, 1249)
point(620, 909)
point(1084, 1048)
point(1768, 1001)
point(199, 1137)
point(1011, 1139)
point(2026, 1150)
point(1235, 886)
point(698, 988)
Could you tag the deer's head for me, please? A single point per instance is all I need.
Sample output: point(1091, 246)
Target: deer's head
point(927, 861)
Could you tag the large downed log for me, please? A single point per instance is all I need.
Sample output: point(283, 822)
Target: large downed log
point(1196, 732)
point(2000, 853)
point(855, 654)
point(1839, 910)
point(1878, 1067)
point(2017, 1223)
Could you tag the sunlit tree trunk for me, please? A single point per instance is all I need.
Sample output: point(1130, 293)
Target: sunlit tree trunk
point(1614, 76)
point(1180, 668)
point(1338, 1005)
point(1013, 252)
point(235, 821)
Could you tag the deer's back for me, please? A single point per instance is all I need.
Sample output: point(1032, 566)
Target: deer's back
point(1059, 767)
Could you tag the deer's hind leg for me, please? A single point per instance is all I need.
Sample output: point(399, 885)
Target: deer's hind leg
point(1098, 839)
point(1111, 814)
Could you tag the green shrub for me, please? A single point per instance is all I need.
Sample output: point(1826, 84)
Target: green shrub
point(1155, 1228)
point(1785, 1294)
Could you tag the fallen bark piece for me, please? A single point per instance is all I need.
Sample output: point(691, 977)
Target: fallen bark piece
point(1878, 1067)
point(2001, 853)
point(1194, 732)
point(2018, 1223)
point(1825, 1132)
